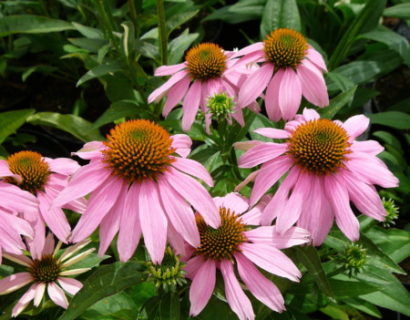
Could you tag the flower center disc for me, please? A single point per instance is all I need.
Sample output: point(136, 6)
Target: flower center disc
point(206, 61)
point(45, 270)
point(285, 48)
point(138, 150)
point(221, 243)
point(319, 146)
point(33, 170)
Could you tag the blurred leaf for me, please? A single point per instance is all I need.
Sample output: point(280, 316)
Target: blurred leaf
point(392, 39)
point(401, 11)
point(31, 24)
point(117, 110)
point(280, 14)
point(92, 45)
point(389, 139)
point(338, 82)
point(77, 126)
point(99, 71)
point(346, 289)
point(394, 119)
point(180, 18)
point(10, 121)
point(310, 258)
point(38, 68)
point(89, 32)
point(338, 103)
point(364, 306)
point(178, 46)
point(367, 19)
point(104, 282)
point(335, 312)
point(241, 11)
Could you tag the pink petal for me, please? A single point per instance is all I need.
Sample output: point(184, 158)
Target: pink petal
point(130, 226)
point(57, 295)
point(168, 70)
point(24, 301)
point(153, 221)
point(192, 266)
point(370, 147)
point(313, 84)
point(175, 95)
point(63, 166)
point(5, 171)
point(269, 235)
point(182, 143)
point(19, 225)
point(179, 213)
point(271, 259)
point(39, 294)
point(316, 58)
point(193, 168)
point(258, 46)
point(356, 125)
point(196, 195)
point(233, 201)
point(72, 286)
point(262, 288)
point(91, 150)
point(191, 105)
point(253, 216)
point(310, 114)
point(237, 299)
point(85, 180)
point(176, 241)
point(158, 93)
point(17, 200)
point(254, 85)
point(202, 286)
point(339, 199)
point(262, 153)
point(273, 133)
point(101, 201)
point(15, 282)
point(269, 174)
point(272, 96)
point(290, 94)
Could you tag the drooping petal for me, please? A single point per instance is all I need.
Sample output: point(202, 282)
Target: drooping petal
point(273, 133)
point(258, 46)
point(24, 301)
point(91, 150)
point(63, 166)
point(17, 200)
point(370, 147)
point(158, 93)
point(72, 286)
point(153, 221)
point(254, 85)
point(182, 143)
point(237, 299)
point(315, 57)
point(290, 94)
point(175, 95)
point(268, 234)
point(313, 84)
point(192, 266)
point(261, 153)
point(168, 70)
point(191, 105)
point(202, 286)
point(272, 96)
point(356, 125)
point(193, 168)
point(263, 289)
point(310, 114)
point(57, 295)
point(233, 201)
point(39, 294)
point(15, 282)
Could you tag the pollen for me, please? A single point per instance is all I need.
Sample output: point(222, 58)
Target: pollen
point(138, 150)
point(46, 270)
point(206, 61)
point(32, 169)
point(221, 243)
point(285, 48)
point(319, 146)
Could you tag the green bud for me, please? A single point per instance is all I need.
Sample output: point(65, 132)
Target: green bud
point(353, 259)
point(392, 212)
point(220, 105)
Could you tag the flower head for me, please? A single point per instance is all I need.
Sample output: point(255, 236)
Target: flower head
point(140, 181)
point(324, 162)
point(290, 68)
point(207, 70)
point(47, 272)
point(239, 242)
point(40, 179)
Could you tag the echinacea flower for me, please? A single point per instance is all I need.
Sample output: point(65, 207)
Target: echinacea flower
point(326, 170)
point(290, 68)
point(41, 179)
point(235, 243)
point(138, 183)
point(47, 272)
point(208, 69)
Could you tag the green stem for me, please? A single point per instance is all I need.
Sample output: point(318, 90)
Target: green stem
point(134, 16)
point(108, 25)
point(162, 32)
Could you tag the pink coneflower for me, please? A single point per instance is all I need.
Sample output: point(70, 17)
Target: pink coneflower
point(48, 271)
point(326, 170)
point(236, 243)
point(138, 183)
point(290, 68)
point(44, 178)
point(207, 70)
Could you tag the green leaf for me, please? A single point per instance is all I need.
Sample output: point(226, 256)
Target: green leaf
point(10, 121)
point(401, 11)
point(77, 126)
point(241, 11)
point(179, 45)
point(394, 119)
point(280, 14)
point(99, 71)
point(106, 281)
point(367, 19)
point(348, 289)
point(89, 32)
point(338, 103)
point(364, 306)
point(311, 260)
point(180, 18)
point(117, 110)
point(392, 39)
point(31, 24)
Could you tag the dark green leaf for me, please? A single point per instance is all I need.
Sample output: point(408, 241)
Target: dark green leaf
point(280, 14)
point(106, 281)
point(117, 110)
point(347, 289)
point(401, 11)
point(338, 103)
point(241, 11)
point(99, 71)
point(77, 126)
point(394, 119)
point(10, 121)
point(179, 45)
point(31, 24)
